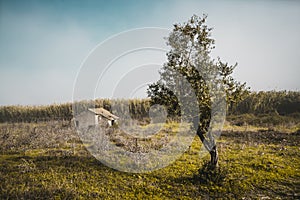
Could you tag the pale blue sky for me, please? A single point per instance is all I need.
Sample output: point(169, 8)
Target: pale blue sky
point(43, 43)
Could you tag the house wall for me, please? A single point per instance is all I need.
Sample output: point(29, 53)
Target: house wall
point(111, 122)
point(86, 119)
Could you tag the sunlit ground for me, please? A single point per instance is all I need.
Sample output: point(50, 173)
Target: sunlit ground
point(48, 160)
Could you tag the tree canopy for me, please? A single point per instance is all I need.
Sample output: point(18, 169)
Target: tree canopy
point(191, 74)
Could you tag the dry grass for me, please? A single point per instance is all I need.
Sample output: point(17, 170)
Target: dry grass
point(48, 161)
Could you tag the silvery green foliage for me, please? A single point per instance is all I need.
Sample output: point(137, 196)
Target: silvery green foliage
point(210, 80)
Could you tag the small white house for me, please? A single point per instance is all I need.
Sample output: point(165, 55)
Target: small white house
point(95, 116)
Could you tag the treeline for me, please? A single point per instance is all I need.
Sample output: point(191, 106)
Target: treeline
point(270, 102)
point(256, 103)
point(137, 108)
point(35, 113)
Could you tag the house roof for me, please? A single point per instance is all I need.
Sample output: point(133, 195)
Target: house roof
point(104, 113)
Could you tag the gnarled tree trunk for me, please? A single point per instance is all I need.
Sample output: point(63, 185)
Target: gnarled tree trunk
point(214, 158)
point(211, 147)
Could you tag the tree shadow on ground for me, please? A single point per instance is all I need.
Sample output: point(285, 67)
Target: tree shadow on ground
point(206, 176)
point(210, 183)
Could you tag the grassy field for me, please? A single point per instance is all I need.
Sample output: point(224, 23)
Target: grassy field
point(47, 160)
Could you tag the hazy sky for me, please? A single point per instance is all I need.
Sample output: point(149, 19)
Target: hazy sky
point(43, 43)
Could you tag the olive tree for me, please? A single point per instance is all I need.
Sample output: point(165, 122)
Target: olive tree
point(210, 79)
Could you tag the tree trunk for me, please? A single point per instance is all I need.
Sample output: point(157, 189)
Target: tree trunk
point(211, 147)
point(214, 158)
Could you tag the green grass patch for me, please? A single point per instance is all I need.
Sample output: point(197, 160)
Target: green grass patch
point(252, 166)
